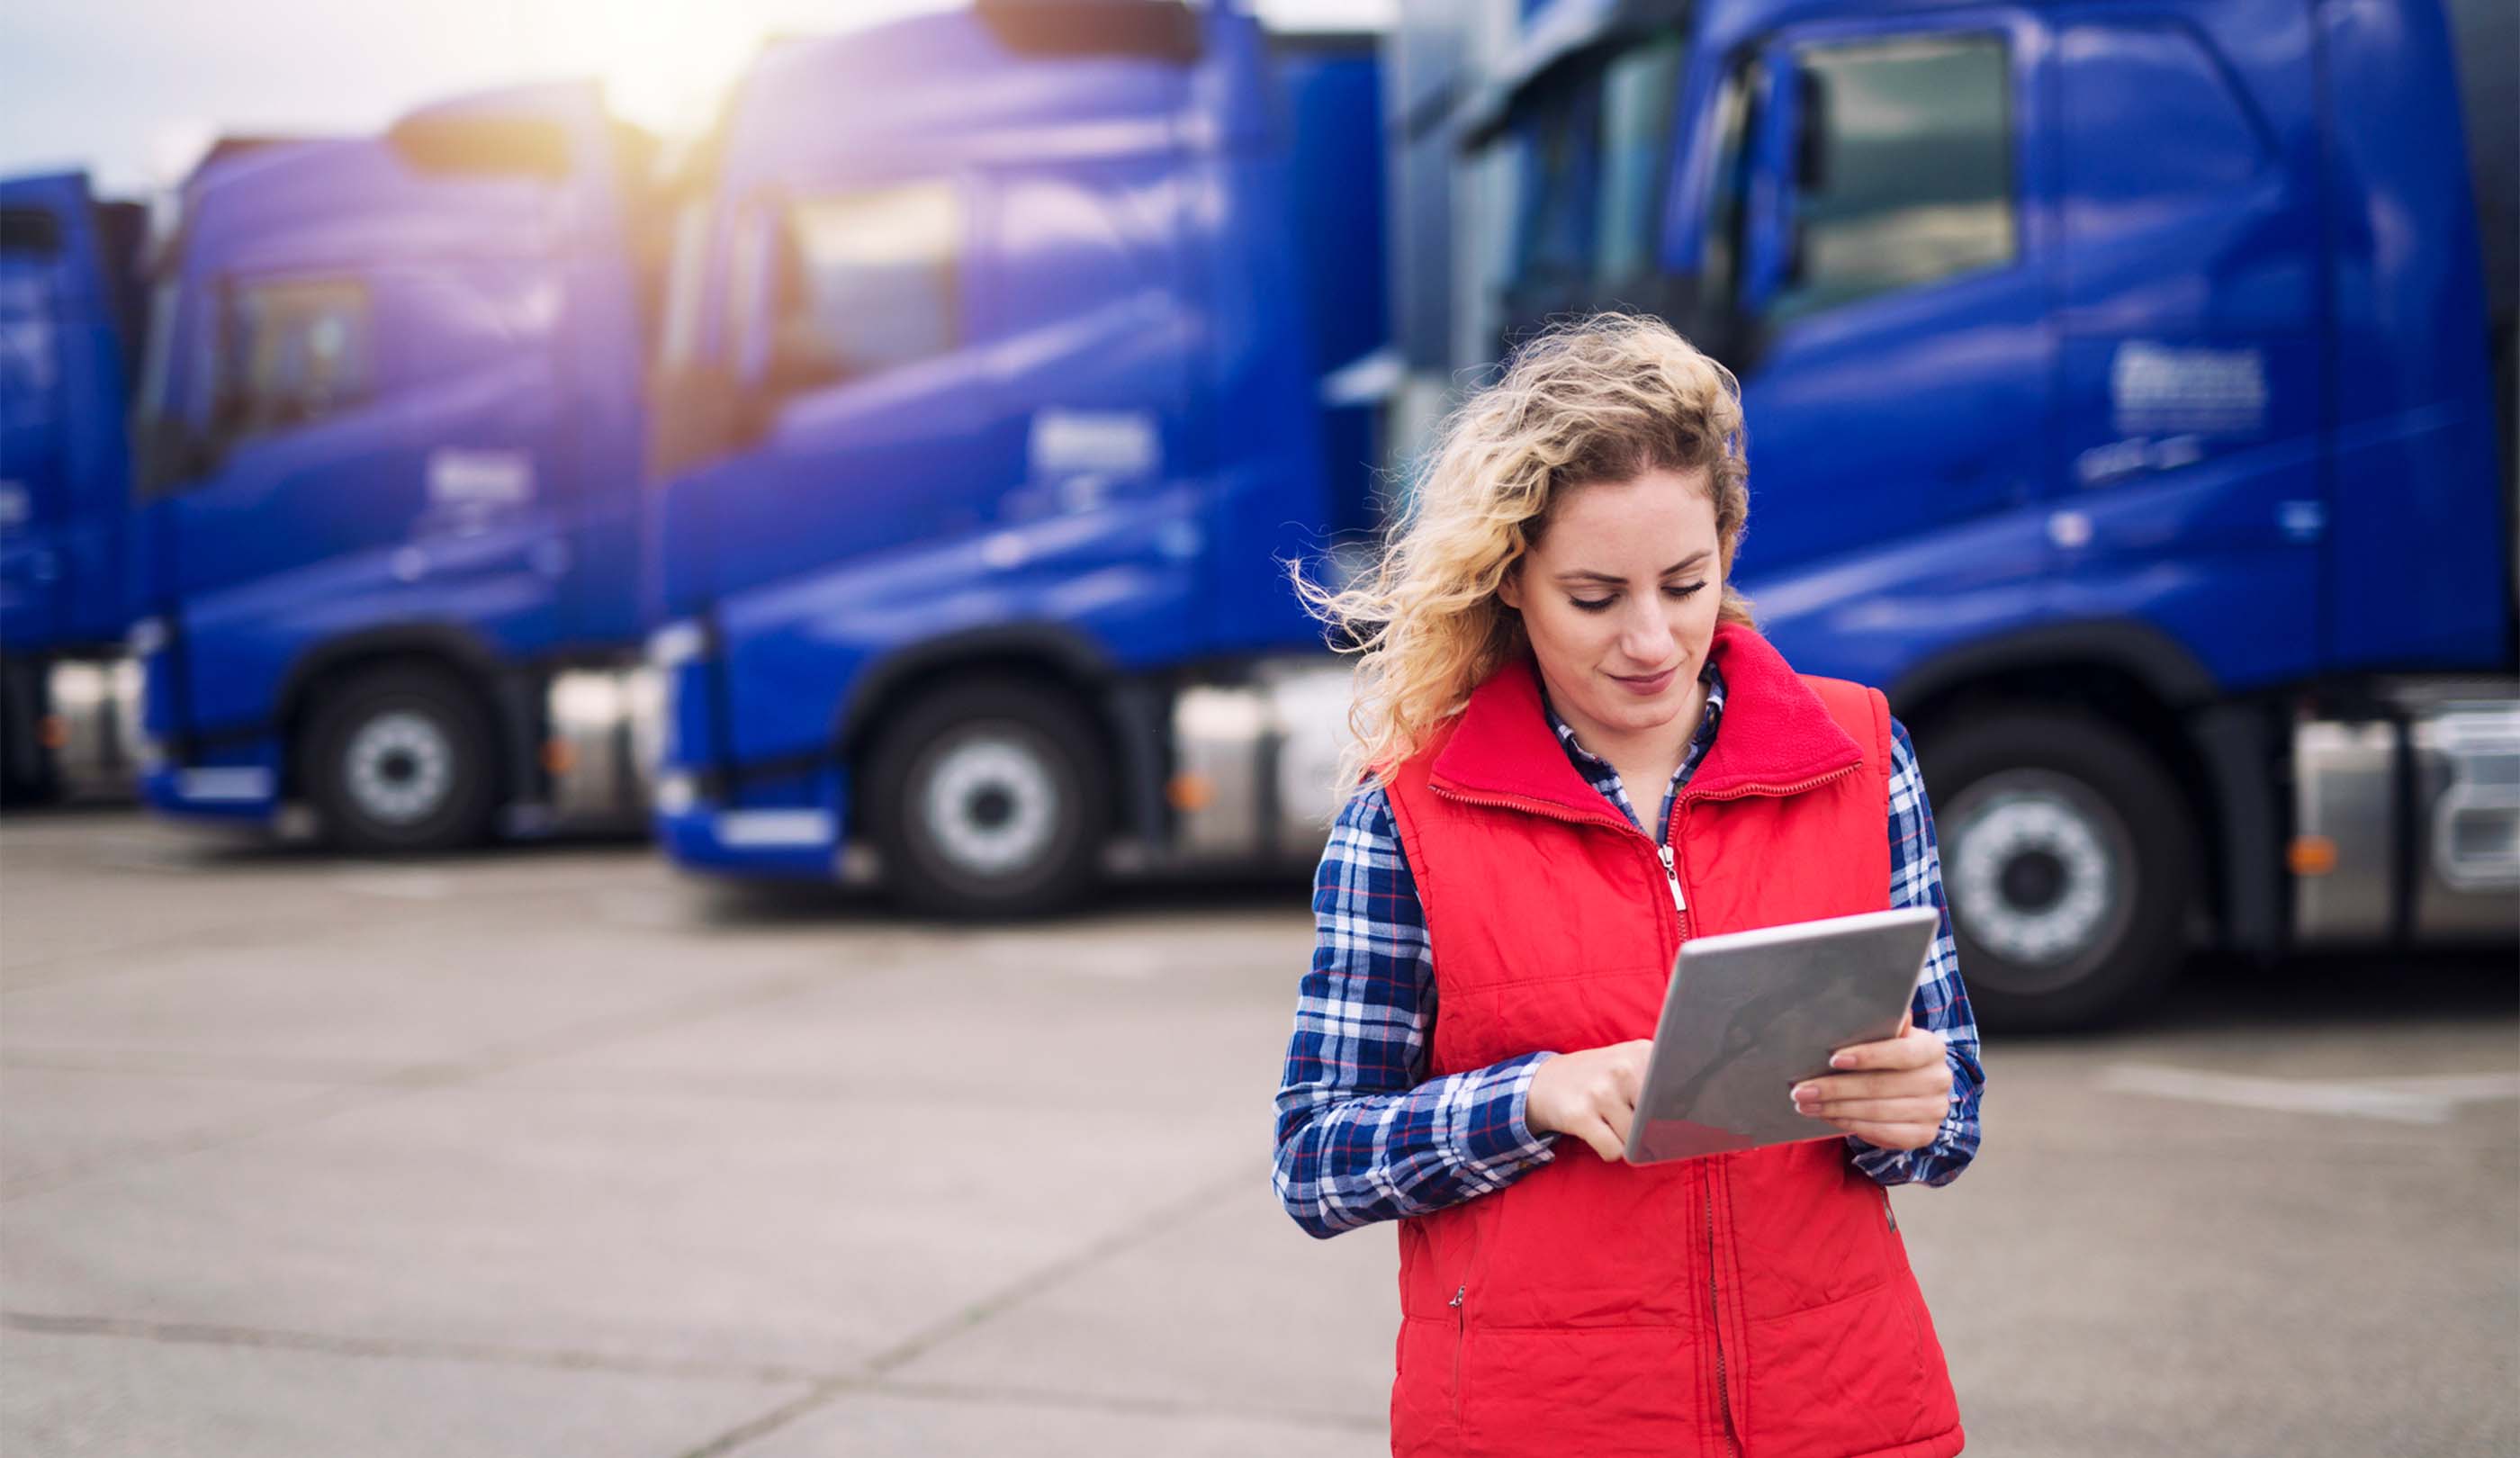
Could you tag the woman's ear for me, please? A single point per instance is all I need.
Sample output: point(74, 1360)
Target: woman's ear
point(1509, 587)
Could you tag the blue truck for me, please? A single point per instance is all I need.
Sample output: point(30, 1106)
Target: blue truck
point(1009, 354)
point(70, 309)
point(385, 501)
point(429, 438)
point(2131, 395)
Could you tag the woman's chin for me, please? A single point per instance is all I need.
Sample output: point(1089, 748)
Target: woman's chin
point(1633, 715)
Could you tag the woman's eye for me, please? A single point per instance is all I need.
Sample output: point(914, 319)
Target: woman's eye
point(1591, 604)
point(1683, 592)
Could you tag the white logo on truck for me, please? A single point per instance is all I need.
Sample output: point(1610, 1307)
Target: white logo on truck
point(479, 478)
point(1100, 442)
point(2157, 390)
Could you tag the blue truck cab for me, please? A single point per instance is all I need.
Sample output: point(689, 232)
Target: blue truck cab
point(70, 348)
point(2121, 394)
point(388, 439)
point(1007, 361)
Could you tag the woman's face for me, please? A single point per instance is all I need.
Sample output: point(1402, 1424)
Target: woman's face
point(1620, 600)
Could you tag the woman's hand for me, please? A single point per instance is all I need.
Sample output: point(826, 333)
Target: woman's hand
point(1894, 1097)
point(1590, 1095)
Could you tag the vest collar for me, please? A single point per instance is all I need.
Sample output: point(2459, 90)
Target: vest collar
point(1775, 737)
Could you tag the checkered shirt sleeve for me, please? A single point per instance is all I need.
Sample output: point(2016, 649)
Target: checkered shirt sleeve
point(1363, 1134)
point(1940, 1003)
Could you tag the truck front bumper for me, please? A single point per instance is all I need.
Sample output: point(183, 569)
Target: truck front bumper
point(798, 841)
point(247, 793)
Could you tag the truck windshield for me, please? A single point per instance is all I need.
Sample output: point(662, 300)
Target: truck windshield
point(1590, 157)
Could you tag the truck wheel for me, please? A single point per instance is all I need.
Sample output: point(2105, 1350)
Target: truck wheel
point(2068, 857)
point(400, 759)
point(990, 799)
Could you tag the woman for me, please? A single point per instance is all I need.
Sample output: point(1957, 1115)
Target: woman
point(1548, 633)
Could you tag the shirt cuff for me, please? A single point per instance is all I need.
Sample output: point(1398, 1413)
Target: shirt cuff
point(1492, 1132)
point(1937, 1163)
point(1885, 1166)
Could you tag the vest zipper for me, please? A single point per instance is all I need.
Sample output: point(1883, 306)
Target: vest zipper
point(1671, 876)
point(1715, 1307)
point(1538, 808)
point(1461, 1338)
point(1737, 791)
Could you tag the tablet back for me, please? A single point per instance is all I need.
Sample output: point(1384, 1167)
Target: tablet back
point(1750, 1013)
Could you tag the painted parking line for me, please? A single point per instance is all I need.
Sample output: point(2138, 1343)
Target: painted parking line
point(2432, 1099)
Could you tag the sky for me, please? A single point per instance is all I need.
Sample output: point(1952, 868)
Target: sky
point(132, 90)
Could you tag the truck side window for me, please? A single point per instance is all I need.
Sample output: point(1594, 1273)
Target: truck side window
point(1560, 169)
point(1593, 158)
point(1638, 92)
point(866, 281)
point(290, 353)
point(1903, 171)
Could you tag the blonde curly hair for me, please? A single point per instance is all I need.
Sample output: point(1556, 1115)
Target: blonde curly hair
point(1605, 397)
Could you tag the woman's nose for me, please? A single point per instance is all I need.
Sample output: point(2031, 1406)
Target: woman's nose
point(1643, 636)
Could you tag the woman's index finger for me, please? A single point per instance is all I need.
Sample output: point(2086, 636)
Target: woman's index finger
point(1888, 1053)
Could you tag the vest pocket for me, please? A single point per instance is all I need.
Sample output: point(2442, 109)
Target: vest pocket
point(1863, 1354)
point(1425, 1395)
point(1461, 1338)
point(1623, 1391)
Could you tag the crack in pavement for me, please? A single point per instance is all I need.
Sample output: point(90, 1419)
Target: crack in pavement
point(176, 1062)
point(220, 1334)
point(821, 1386)
point(978, 1314)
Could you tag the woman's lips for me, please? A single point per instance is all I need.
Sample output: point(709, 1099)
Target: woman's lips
point(1648, 686)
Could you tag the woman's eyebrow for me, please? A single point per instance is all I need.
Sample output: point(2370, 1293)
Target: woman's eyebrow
point(1587, 574)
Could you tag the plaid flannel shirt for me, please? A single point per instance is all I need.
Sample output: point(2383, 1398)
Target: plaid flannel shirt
point(1363, 1135)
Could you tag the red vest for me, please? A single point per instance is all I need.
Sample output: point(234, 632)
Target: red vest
point(1757, 1303)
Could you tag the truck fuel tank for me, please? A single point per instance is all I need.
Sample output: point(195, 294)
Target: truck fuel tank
point(2407, 822)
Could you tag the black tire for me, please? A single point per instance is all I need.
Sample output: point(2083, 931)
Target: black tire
point(2069, 859)
point(401, 759)
point(989, 800)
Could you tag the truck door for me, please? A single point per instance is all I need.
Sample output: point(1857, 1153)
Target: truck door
point(868, 408)
point(368, 460)
point(1899, 370)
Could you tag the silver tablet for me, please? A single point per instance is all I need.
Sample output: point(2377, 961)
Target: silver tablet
point(1748, 1014)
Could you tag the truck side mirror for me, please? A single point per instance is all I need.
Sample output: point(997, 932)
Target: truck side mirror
point(201, 456)
point(173, 456)
point(781, 348)
point(227, 424)
point(1811, 128)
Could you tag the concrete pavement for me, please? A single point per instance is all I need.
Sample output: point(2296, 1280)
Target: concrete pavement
point(549, 1150)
